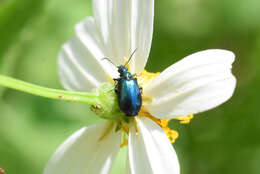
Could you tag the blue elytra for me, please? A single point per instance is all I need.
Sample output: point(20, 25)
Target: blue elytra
point(128, 92)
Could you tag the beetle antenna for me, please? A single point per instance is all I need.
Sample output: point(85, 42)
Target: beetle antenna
point(105, 58)
point(131, 57)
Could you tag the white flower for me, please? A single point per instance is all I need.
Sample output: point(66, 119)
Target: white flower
point(197, 83)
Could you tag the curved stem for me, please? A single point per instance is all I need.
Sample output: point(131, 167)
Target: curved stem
point(19, 85)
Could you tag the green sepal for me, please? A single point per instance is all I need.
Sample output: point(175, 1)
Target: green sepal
point(109, 108)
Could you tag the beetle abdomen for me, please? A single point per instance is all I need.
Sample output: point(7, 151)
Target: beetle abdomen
point(129, 96)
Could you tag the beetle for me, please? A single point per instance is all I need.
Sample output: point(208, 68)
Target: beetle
point(127, 90)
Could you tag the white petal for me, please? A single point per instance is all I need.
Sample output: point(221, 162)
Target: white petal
point(91, 150)
point(128, 169)
point(126, 25)
point(141, 32)
point(150, 151)
point(113, 20)
point(80, 64)
point(197, 83)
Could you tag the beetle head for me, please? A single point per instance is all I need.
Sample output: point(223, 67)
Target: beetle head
point(122, 69)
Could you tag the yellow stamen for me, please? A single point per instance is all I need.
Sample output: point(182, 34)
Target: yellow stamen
point(185, 119)
point(146, 77)
point(124, 143)
point(171, 134)
point(124, 127)
point(125, 131)
point(163, 123)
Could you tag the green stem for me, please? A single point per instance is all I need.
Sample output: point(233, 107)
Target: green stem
point(12, 83)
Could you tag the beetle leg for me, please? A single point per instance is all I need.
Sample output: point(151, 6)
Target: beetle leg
point(116, 79)
point(116, 86)
point(133, 75)
point(141, 90)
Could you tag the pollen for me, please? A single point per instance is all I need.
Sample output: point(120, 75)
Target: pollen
point(185, 119)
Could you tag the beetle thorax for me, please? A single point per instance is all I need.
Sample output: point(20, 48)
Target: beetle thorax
point(125, 75)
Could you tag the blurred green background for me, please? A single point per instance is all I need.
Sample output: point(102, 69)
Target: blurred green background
point(224, 140)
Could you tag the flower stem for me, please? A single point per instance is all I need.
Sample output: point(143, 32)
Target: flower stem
point(89, 98)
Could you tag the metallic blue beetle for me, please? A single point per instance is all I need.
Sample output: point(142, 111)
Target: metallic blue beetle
point(128, 92)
